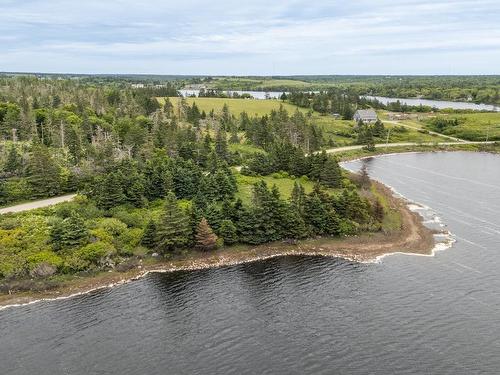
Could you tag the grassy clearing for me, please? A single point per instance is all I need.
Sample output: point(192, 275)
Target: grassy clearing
point(285, 185)
point(337, 130)
point(399, 134)
point(253, 107)
point(340, 131)
point(473, 126)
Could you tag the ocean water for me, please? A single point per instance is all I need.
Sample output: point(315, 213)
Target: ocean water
point(299, 315)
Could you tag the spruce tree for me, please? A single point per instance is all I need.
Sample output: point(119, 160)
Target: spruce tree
point(13, 162)
point(228, 232)
point(110, 192)
point(173, 230)
point(206, 239)
point(293, 223)
point(298, 197)
point(135, 193)
point(221, 145)
point(378, 129)
point(331, 175)
point(3, 193)
point(68, 233)
point(43, 173)
point(149, 235)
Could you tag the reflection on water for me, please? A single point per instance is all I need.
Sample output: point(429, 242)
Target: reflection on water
point(298, 315)
point(441, 104)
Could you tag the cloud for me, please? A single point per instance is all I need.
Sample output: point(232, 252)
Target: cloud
point(193, 37)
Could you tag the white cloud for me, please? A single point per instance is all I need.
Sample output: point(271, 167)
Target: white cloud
point(319, 35)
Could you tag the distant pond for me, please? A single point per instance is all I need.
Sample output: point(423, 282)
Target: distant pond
point(255, 94)
point(441, 104)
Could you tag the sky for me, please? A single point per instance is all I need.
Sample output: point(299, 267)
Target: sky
point(254, 37)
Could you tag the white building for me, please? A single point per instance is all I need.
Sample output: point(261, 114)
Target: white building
point(365, 115)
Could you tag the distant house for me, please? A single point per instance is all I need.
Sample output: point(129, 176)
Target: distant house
point(365, 115)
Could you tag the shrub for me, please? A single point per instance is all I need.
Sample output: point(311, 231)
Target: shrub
point(112, 226)
point(133, 218)
point(44, 263)
point(90, 256)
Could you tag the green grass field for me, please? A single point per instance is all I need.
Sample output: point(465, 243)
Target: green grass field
point(340, 131)
point(475, 126)
point(333, 128)
point(251, 106)
point(285, 186)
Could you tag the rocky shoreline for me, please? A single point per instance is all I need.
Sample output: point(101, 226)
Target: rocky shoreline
point(412, 238)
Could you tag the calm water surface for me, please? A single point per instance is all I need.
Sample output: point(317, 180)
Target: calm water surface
point(298, 315)
point(441, 104)
point(255, 94)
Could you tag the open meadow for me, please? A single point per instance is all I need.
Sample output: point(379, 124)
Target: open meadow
point(341, 132)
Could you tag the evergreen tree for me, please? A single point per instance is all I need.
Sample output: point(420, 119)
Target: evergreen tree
point(228, 232)
point(214, 215)
point(331, 175)
point(43, 173)
point(13, 163)
point(173, 230)
point(268, 213)
point(68, 233)
point(221, 145)
point(110, 192)
point(378, 129)
point(234, 135)
point(320, 215)
point(149, 235)
point(225, 118)
point(4, 198)
point(158, 176)
point(298, 197)
point(365, 137)
point(135, 193)
point(293, 223)
point(206, 239)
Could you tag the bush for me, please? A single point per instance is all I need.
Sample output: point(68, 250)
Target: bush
point(347, 227)
point(44, 263)
point(280, 174)
point(90, 256)
point(85, 208)
point(112, 226)
point(133, 218)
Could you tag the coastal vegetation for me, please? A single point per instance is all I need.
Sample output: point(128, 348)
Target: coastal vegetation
point(155, 179)
point(162, 178)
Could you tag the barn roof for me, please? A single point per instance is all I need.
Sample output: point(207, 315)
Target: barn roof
point(367, 114)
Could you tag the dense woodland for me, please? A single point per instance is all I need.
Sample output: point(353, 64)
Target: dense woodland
point(157, 179)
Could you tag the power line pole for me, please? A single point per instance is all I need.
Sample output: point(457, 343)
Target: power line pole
point(387, 140)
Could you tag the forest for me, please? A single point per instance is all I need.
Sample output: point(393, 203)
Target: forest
point(159, 178)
